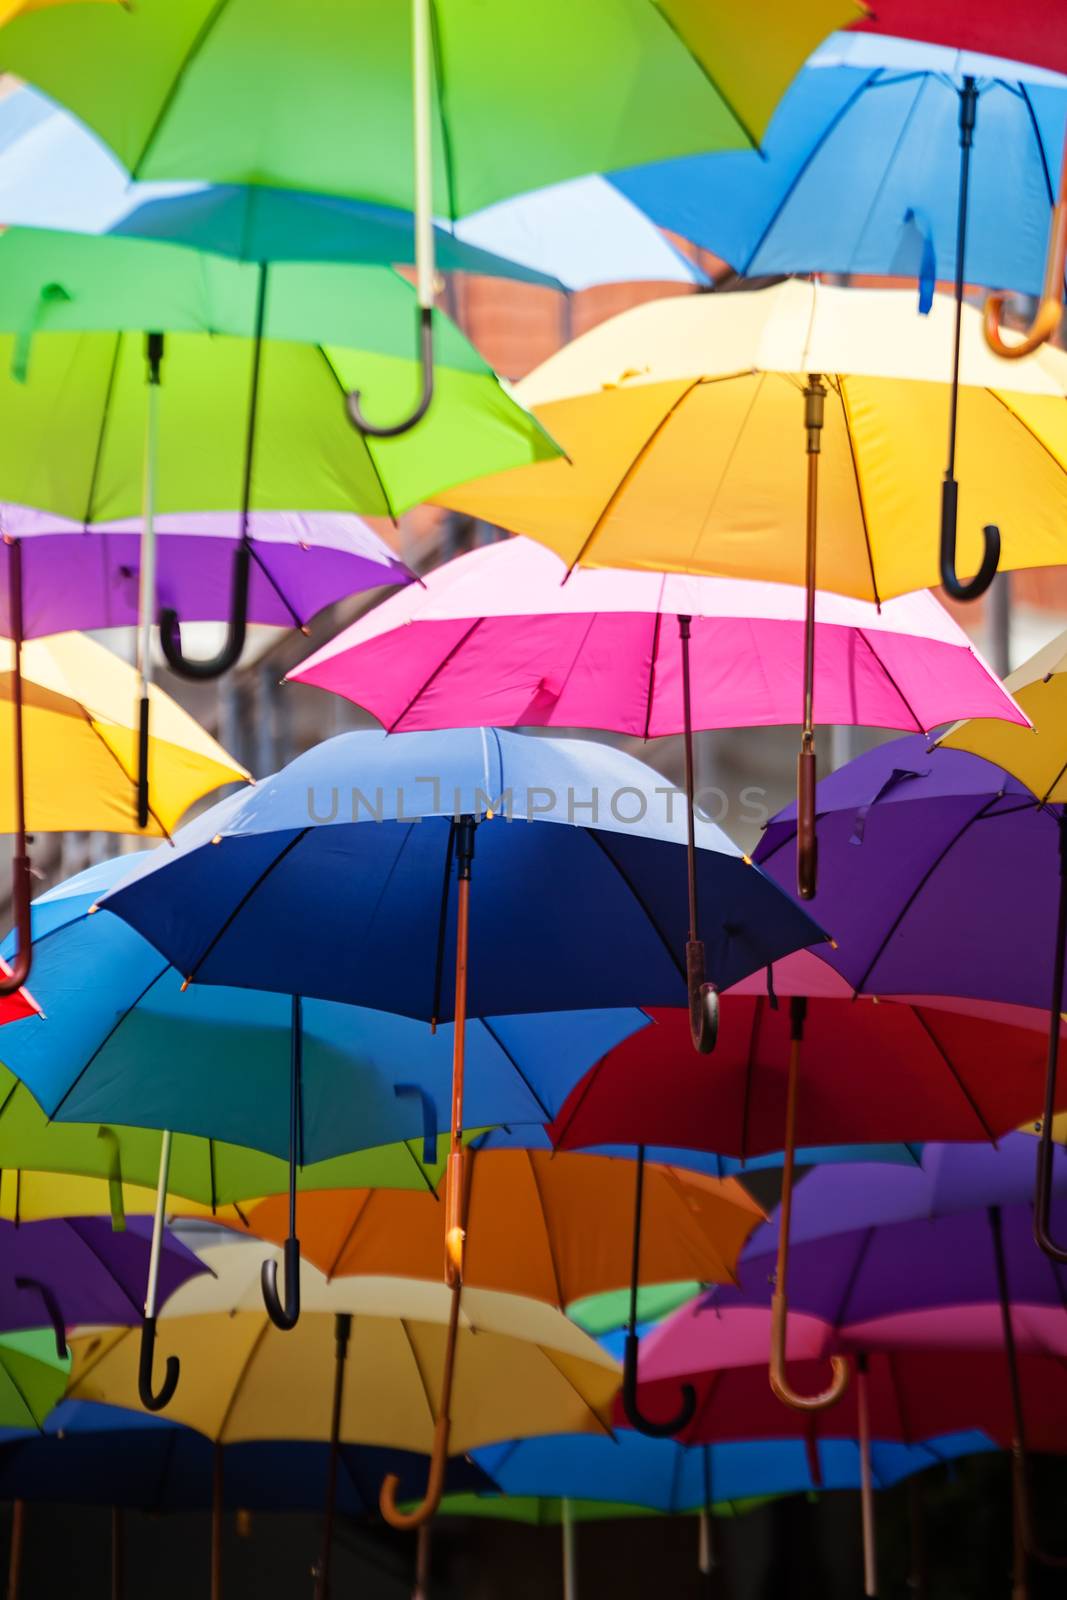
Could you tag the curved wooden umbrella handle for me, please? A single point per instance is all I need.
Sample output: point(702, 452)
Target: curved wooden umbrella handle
point(780, 1383)
point(1050, 309)
point(435, 1484)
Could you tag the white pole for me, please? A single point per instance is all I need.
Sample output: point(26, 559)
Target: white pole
point(570, 1553)
point(157, 1226)
point(146, 600)
point(870, 1555)
point(422, 99)
point(706, 1558)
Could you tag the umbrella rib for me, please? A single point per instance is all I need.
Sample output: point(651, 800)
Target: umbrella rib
point(87, 1244)
point(199, 40)
point(423, 1385)
point(298, 620)
point(513, 1063)
point(850, 1282)
point(107, 1345)
point(985, 807)
point(1039, 141)
point(838, 388)
point(423, 1174)
point(108, 1036)
point(21, 1393)
point(561, 1298)
point(584, 1086)
point(905, 702)
point(550, 1357)
point(594, 835)
point(91, 724)
point(635, 462)
point(995, 394)
point(652, 674)
point(944, 1056)
point(241, 1379)
point(105, 414)
point(349, 1235)
point(390, 510)
point(698, 61)
point(443, 127)
point(232, 916)
point(435, 674)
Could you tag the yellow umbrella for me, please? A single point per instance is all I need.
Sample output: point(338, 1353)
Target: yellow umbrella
point(520, 1367)
point(714, 433)
point(1038, 758)
point(71, 714)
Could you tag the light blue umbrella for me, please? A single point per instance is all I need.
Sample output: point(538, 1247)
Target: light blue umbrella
point(938, 165)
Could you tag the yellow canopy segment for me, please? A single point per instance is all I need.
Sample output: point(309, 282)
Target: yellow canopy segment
point(80, 705)
point(683, 421)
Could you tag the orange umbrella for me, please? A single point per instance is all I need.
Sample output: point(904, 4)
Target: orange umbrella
point(549, 1227)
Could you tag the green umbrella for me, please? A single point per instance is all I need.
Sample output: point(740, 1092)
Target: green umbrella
point(539, 1512)
point(461, 101)
point(32, 1377)
point(601, 1314)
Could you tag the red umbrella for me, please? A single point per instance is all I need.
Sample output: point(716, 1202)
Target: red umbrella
point(1028, 31)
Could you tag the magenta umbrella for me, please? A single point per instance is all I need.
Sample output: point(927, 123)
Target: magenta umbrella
point(503, 637)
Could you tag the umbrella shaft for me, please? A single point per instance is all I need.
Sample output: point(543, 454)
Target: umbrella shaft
point(870, 1558)
point(968, 113)
point(157, 1225)
point(814, 405)
point(690, 777)
point(147, 590)
point(422, 128)
point(343, 1330)
point(570, 1553)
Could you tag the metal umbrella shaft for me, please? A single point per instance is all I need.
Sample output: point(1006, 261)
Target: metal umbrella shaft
point(703, 996)
point(342, 1334)
point(807, 860)
point(146, 594)
point(870, 1553)
point(1043, 1189)
point(12, 981)
point(570, 1551)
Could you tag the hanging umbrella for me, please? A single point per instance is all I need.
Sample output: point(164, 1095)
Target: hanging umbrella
point(309, 1079)
point(218, 896)
point(691, 78)
point(32, 1377)
point(71, 713)
point(598, 651)
point(356, 1369)
point(673, 415)
point(931, 818)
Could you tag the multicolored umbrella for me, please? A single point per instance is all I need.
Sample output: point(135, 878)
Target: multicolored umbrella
point(70, 711)
point(311, 1078)
point(239, 873)
point(692, 79)
point(673, 416)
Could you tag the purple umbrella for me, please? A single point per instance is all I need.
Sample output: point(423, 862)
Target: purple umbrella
point(71, 1270)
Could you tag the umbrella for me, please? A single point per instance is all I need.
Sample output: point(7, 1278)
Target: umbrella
point(71, 714)
point(32, 1377)
point(673, 415)
point(328, 1079)
point(79, 1270)
point(590, 652)
point(357, 1366)
point(209, 906)
point(867, 155)
point(691, 78)
point(926, 820)
point(659, 1475)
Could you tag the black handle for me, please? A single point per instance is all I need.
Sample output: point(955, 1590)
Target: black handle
point(55, 1316)
point(371, 429)
point(956, 587)
point(646, 1425)
point(170, 628)
point(142, 762)
point(149, 1398)
point(284, 1316)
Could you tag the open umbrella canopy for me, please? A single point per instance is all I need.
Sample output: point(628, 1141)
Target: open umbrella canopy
point(125, 1042)
point(498, 636)
point(859, 172)
point(79, 1270)
point(672, 1478)
point(349, 848)
point(543, 1226)
point(80, 732)
point(521, 1367)
point(90, 1454)
point(160, 88)
point(1023, 33)
point(683, 424)
point(33, 1377)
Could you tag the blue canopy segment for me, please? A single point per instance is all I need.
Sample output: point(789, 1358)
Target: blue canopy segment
point(120, 1041)
point(665, 1476)
point(89, 1454)
point(335, 876)
point(859, 174)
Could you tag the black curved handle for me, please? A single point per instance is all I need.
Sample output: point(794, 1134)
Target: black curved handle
point(149, 1398)
point(284, 1316)
point(11, 982)
point(55, 1316)
point(956, 587)
point(352, 401)
point(646, 1425)
point(170, 637)
point(703, 1000)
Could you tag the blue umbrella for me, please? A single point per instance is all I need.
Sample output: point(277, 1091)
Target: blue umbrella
point(334, 879)
point(939, 165)
point(125, 1042)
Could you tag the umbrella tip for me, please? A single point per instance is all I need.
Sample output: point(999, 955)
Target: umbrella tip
point(93, 909)
point(185, 984)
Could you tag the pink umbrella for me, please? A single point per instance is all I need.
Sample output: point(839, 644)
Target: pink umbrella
point(499, 638)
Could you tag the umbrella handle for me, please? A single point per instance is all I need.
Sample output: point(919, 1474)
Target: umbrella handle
point(703, 1000)
point(149, 1398)
point(435, 1482)
point(170, 637)
point(55, 1316)
point(1050, 307)
point(634, 1415)
point(288, 1315)
point(959, 588)
point(780, 1383)
point(375, 430)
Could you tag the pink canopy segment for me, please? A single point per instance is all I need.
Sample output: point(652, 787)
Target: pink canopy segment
point(504, 637)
